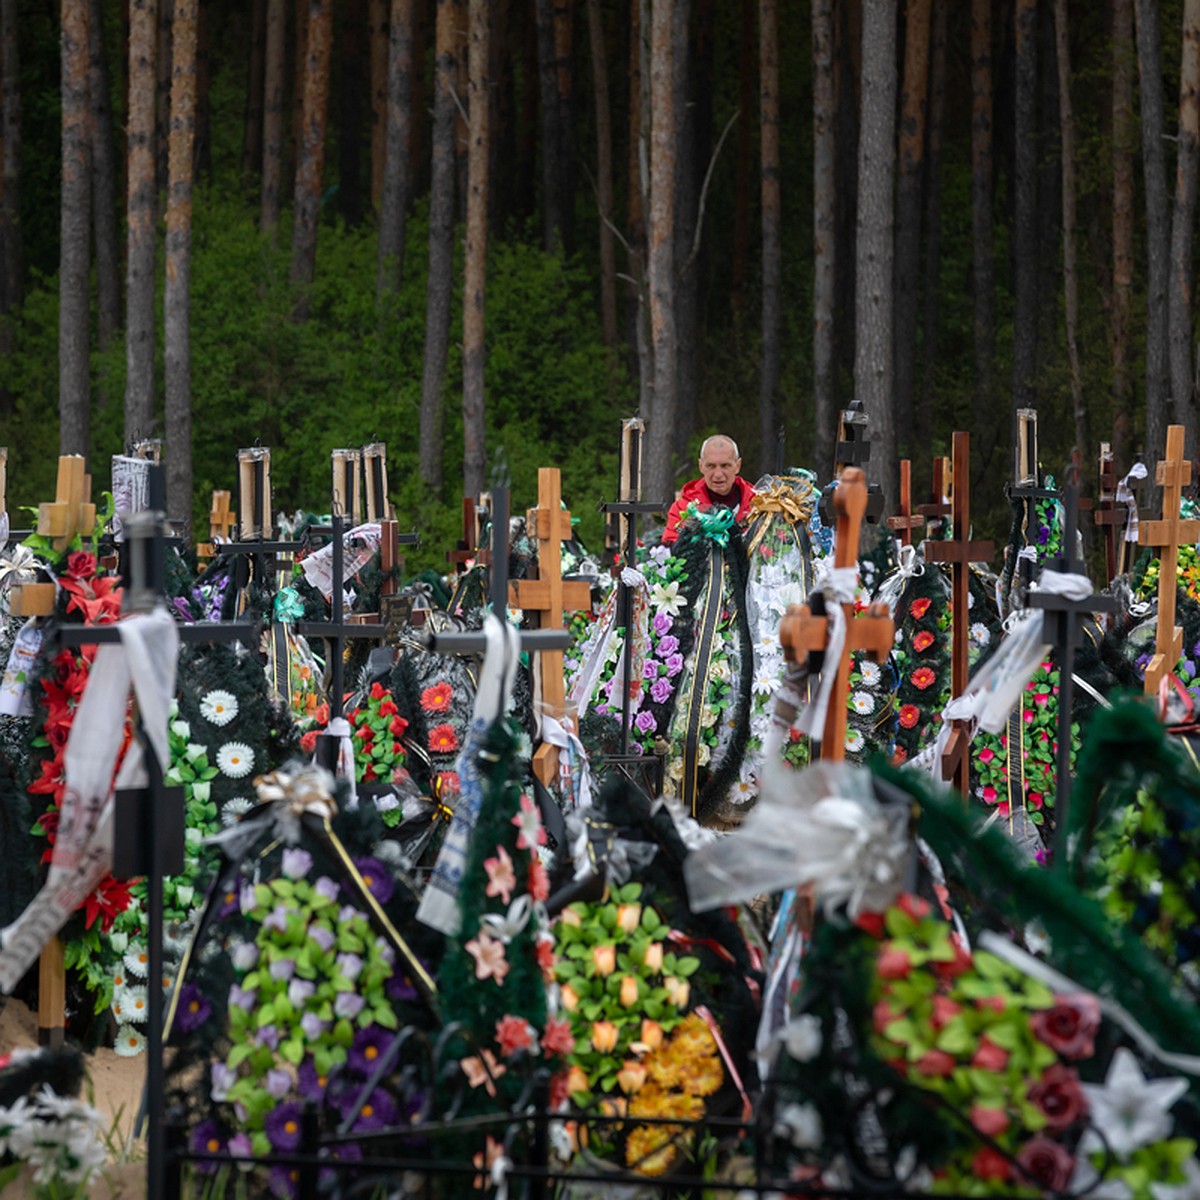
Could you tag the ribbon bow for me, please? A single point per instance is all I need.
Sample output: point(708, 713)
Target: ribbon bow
point(795, 505)
point(505, 926)
point(715, 524)
point(290, 795)
point(19, 565)
point(288, 606)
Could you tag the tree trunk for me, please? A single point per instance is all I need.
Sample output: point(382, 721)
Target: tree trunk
point(139, 209)
point(104, 184)
point(744, 170)
point(394, 200)
point(350, 126)
point(689, 97)
point(639, 200)
point(252, 127)
point(177, 357)
point(12, 264)
point(1179, 297)
point(418, 160)
point(924, 399)
point(913, 102)
point(1083, 439)
point(461, 84)
point(502, 145)
point(824, 235)
point(1151, 105)
point(1025, 232)
point(772, 260)
point(74, 400)
point(310, 170)
point(272, 164)
point(873, 283)
point(604, 176)
point(379, 43)
point(1124, 142)
point(1049, 197)
point(846, 77)
point(564, 90)
point(203, 153)
point(475, 274)
point(983, 251)
point(441, 250)
point(162, 103)
point(528, 134)
point(552, 199)
point(659, 469)
point(299, 54)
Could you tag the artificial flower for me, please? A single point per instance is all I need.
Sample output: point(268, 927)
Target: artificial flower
point(484, 1070)
point(235, 759)
point(501, 876)
point(489, 955)
point(529, 823)
point(443, 739)
point(1069, 1028)
point(919, 607)
point(233, 810)
point(557, 1037)
point(129, 1042)
point(1128, 1110)
point(666, 598)
point(513, 1034)
point(909, 715)
point(218, 707)
point(922, 640)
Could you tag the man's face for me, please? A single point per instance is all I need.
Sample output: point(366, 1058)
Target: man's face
point(719, 467)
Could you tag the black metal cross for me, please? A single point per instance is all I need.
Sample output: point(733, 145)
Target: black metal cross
point(853, 449)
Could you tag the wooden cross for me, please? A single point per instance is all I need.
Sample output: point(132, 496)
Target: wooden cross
point(254, 493)
point(960, 552)
point(940, 507)
point(347, 488)
point(221, 520)
point(465, 551)
point(805, 627)
point(853, 449)
point(907, 521)
point(1062, 627)
point(374, 460)
point(549, 595)
point(1173, 475)
point(1109, 515)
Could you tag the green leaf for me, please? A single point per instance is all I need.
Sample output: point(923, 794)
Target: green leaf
point(293, 1051)
point(955, 1037)
point(239, 1054)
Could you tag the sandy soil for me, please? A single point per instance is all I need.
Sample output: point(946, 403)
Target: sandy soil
point(115, 1085)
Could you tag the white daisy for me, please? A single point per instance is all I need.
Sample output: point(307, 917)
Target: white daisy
point(870, 673)
point(137, 960)
point(743, 791)
point(235, 759)
point(768, 642)
point(219, 706)
point(232, 810)
point(135, 1005)
point(854, 740)
point(861, 703)
point(979, 634)
point(130, 1042)
point(765, 682)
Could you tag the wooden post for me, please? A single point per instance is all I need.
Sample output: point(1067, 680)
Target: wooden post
point(69, 514)
point(464, 553)
point(1168, 534)
point(959, 551)
point(805, 627)
point(1109, 515)
point(374, 460)
point(254, 493)
point(549, 595)
point(907, 520)
point(936, 512)
point(347, 489)
point(3, 479)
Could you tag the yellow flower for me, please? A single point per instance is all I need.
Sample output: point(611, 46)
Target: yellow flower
point(701, 1076)
point(649, 1149)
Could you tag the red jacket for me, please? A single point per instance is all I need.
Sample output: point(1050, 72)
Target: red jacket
point(695, 490)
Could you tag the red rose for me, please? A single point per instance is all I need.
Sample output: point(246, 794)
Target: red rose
point(923, 640)
point(893, 964)
point(388, 708)
point(1059, 1097)
point(944, 1009)
point(991, 1164)
point(1069, 1028)
point(1046, 1163)
point(377, 691)
point(871, 922)
point(80, 565)
point(910, 714)
point(960, 963)
point(365, 732)
point(991, 1122)
point(308, 743)
point(913, 906)
point(989, 1056)
point(918, 608)
point(397, 727)
point(922, 677)
point(936, 1063)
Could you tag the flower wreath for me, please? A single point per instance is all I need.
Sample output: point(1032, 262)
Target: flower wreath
point(922, 658)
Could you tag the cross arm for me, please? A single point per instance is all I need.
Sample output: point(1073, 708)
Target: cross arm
point(1168, 531)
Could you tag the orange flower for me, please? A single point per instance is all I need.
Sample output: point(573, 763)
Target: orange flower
point(604, 1036)
point(437, 698)
point(631, 1077)
point(629, 991)
point(605, 958)
point(923, 640)
point(923, 677)
point(443, 739)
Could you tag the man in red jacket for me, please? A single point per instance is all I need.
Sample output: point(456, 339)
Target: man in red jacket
point(719, 485)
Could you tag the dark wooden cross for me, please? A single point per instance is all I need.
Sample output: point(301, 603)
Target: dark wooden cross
point(1167, 535)
point(804, 630)
point(940, 507)
point(464, 553)
point(852, 449)
point(347, 483)
point(548, 597)
point(960, 552)
point(628, 507)
point(907, 520)
point(1109, 515)
point(1062, 627)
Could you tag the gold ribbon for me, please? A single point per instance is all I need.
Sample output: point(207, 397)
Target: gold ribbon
point(795, 503)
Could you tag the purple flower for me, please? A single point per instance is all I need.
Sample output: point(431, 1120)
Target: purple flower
point(283, 969)
point(350, 965)
point(663, 623)
point(246, 900)
point(369, 1045)
point(206, 1139)
point(400, 987)
point(326, 887)
point(240, 1145)
point(244, 955)
point(300, 991)
point(268, 1036)
point(348, 1004)
point(378, 1112)
point(240, 997)
point(192, 1010)
point(386, 953)
point(297, 863)
point(277, 1082)
point(282, 1126)
point(283, 1182)
point(223, 1078)
point(650, 669)
point(347, 913)
point(322, 935)
point(667, 646)
point(312, 1026)
point(377, 877)
point(312, 1085)
point(660, 690)
point(674, 665)
point(276, 919)
point(602, 708)
point(645, 722)
point(345, 1152)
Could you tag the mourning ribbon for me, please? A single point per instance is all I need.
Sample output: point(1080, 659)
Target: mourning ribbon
point(701, 663)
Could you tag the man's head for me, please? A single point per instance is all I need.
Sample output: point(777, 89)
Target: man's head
point(719, 464)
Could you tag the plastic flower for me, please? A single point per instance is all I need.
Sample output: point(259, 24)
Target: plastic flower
point(1128, 1110)
point(296, 863)
point(137, 960)
point(861, 703)
point(235, 759)
point(489, 955)
point(870, 672)
point(282, 1126)
point(368, 1045)
point(377, 877)
point(233, 810)
point(909, 715)
point(129, 1042)
point(437, 698)
point(666, 598)
point(919, 607)
point(484, 1070)
point(529, 824)
point(501, 876)
point(922, 677)
point(557, 1037)
point(513, 1034)
point(922, 640)
point(1069, 1027)
point(192, 1010)
point(219, 707)
point(854, 740)
point(443, 739)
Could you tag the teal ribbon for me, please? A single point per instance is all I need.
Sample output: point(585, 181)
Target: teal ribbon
point(288, 605)
point(714, 523)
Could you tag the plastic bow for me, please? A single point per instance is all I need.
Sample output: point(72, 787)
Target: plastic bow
point(505, 926)
point(795, 505)
point(288, 606)
point(19, 565)
point(715, 524)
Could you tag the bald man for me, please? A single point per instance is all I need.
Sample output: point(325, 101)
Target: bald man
point(719, 485)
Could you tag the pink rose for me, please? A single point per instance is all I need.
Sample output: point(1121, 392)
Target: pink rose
point(943, 1010)
point(1046, 1163)
point(1069, 1028)
point(883, 1015)
point(936, 1063)
point(894, 964)
point(1059, 1097)
point(991, 1122)
point(989, 1056)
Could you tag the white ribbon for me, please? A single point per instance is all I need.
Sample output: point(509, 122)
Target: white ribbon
point(839, 585)
point(562, 735)
point(146, 658)
point(596, 648)
point(1064, 583)
point(506, 926)
point(908, 566)
point(1125, 496)
point(339, 728)
point(1044, 973)
point(500, 1169)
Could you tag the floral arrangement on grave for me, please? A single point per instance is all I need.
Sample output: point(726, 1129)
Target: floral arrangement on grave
point(300, 987)
point(50, 1141)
